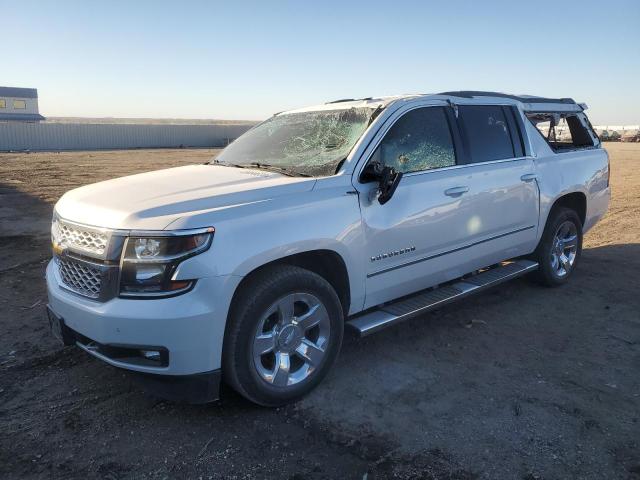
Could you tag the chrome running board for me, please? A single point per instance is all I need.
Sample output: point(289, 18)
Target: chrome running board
point(426, 300)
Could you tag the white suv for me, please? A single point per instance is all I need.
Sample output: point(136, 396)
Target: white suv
point(353, 214)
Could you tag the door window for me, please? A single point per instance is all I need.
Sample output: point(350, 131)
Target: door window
point(487, 132)
point(419, 140)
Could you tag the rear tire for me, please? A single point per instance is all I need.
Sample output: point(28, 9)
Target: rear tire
point(283, 335)
point(560, 247)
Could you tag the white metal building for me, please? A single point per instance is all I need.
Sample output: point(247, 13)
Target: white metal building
point(22, 129)
point(19, 104)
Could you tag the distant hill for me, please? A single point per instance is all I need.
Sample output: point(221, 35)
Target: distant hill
point(148, 121)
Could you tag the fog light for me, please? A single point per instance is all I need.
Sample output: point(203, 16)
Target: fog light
point(151, 355)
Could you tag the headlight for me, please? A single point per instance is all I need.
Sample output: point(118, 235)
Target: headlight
point(149, 262)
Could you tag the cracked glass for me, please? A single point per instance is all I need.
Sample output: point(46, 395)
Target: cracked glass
point(420, 140)
point(310, 143)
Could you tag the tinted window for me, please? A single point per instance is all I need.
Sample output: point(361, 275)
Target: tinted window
point(419, 140)
point(487, 132)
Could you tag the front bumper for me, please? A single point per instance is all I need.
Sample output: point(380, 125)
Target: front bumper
point(190, 327)
point(197, 388)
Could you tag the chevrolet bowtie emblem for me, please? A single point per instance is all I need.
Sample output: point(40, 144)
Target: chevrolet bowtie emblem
point(57, 248)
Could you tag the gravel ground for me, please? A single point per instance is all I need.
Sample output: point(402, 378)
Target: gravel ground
point(521, 382)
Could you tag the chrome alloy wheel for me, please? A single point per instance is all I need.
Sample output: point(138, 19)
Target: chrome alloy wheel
point(291, 339)
point(564, 249)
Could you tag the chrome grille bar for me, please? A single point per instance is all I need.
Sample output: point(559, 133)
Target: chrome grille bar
point(91, 241)
point(81, 278)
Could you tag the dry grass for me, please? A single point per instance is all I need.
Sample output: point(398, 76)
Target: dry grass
point(622, 223)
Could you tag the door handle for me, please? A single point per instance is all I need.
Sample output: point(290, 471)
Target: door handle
point(528, 177)
point(456, 191)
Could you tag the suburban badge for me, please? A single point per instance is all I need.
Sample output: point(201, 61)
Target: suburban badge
point(392, 254)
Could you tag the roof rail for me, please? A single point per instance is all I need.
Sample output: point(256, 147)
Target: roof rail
point(349, 100)
point(520, 98)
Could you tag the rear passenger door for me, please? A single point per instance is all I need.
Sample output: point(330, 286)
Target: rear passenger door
point(501, 182)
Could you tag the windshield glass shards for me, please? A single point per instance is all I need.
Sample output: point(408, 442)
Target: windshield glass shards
point(304, 143)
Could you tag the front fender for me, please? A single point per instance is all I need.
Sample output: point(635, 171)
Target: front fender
point(326, 218)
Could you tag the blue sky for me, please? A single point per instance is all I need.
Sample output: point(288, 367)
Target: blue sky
point(247, 60)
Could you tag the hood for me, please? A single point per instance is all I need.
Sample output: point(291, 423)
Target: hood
point(153, 200)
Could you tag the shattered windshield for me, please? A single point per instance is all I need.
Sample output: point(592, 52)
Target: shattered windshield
point(304, 143)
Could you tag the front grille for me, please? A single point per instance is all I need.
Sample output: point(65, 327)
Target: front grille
point(81, 238)
point(81, 278)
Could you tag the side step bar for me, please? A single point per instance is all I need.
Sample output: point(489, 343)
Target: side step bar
point(421, 302)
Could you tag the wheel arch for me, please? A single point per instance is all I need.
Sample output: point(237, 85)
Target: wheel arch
point(329, 264)
point(576, 201)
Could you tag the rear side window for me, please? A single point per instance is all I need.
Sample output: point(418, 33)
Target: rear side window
point(419, 140)
point(490, 132)
point(563, 131)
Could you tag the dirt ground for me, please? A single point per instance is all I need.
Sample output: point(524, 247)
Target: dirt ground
point(521, 382)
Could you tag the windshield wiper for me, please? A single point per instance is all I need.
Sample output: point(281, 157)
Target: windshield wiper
point(275, 168)
point(261, 166)
point(226, 164)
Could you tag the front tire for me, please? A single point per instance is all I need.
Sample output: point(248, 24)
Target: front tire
point(284, 333)
point(560, 247)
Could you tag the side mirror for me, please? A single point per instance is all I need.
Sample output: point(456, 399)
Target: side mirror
point(387, 177)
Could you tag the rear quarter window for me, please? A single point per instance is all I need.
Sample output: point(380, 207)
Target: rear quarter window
point(564, 131)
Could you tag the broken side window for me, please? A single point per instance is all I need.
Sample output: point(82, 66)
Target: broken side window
point(564, 131)
point(419, 140)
